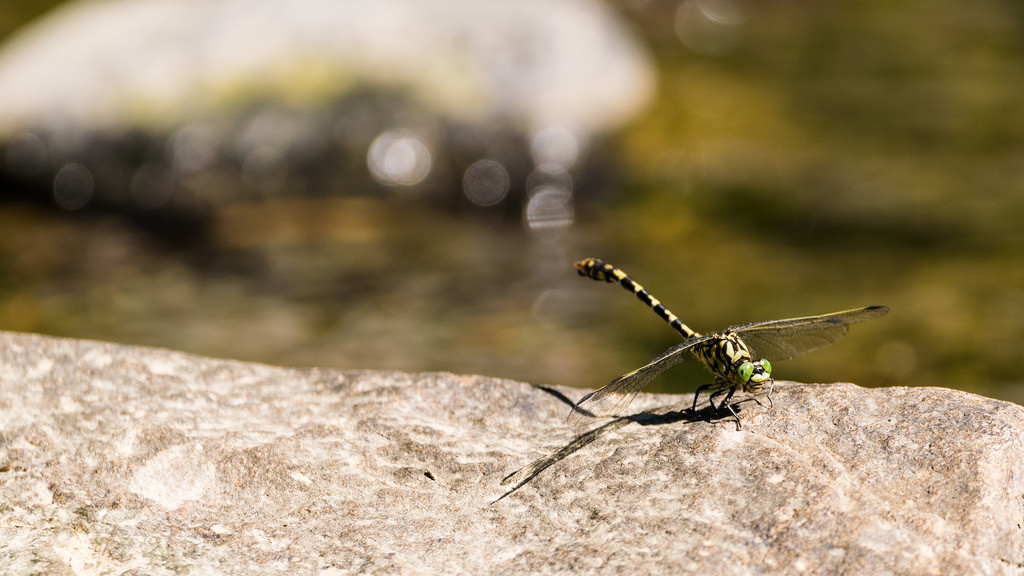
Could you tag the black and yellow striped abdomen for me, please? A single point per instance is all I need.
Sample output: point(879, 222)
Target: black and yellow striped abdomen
point(602, 271)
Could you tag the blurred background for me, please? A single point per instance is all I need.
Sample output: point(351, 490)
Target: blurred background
point(405, 185)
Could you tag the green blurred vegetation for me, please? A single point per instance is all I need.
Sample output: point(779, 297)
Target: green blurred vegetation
point(844, 154)
point(841, 155)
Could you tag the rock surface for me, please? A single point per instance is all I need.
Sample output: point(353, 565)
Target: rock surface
point(119, 459)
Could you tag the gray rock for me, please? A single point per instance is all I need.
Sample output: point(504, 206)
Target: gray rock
point(119, 459)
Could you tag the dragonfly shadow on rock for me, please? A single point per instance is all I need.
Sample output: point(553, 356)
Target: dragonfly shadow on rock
point(557, 394)
point(654, 417)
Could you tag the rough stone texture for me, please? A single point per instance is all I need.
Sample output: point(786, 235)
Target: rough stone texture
point(118, 459)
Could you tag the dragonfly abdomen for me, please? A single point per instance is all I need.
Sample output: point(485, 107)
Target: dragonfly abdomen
point(602, 271)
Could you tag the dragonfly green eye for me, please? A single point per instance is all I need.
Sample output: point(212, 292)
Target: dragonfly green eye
point(746, 370)
point(766, 365)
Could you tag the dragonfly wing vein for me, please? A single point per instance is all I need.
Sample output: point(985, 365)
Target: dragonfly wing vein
point(785, 339)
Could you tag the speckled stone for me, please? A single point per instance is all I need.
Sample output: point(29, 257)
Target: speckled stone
point(121, 459)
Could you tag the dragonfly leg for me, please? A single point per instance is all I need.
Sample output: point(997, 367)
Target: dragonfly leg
point(736, 416)
point(696, 394)
point(767, 396)
point(725, 403)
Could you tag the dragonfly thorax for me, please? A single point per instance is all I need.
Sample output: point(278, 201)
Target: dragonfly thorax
point(729, 358)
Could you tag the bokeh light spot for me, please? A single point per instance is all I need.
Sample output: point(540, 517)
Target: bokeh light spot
point(485, 182)
point(73, 186)
point(398, 159)
point(548, 175)
point(549, 209)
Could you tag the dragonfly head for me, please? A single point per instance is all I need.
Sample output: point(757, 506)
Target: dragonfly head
point(754, 375)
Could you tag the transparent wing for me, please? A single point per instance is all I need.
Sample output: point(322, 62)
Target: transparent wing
point(613, 398)
point(784, 339)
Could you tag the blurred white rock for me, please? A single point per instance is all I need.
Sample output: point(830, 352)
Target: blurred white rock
point(112, 65)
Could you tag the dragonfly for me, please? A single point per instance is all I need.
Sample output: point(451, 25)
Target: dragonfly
point(729, 354)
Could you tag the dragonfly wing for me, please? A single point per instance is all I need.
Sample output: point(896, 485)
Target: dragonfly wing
point(784, 339)
point(616, 396)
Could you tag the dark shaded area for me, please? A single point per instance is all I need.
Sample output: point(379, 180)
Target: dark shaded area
point(172, 230)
